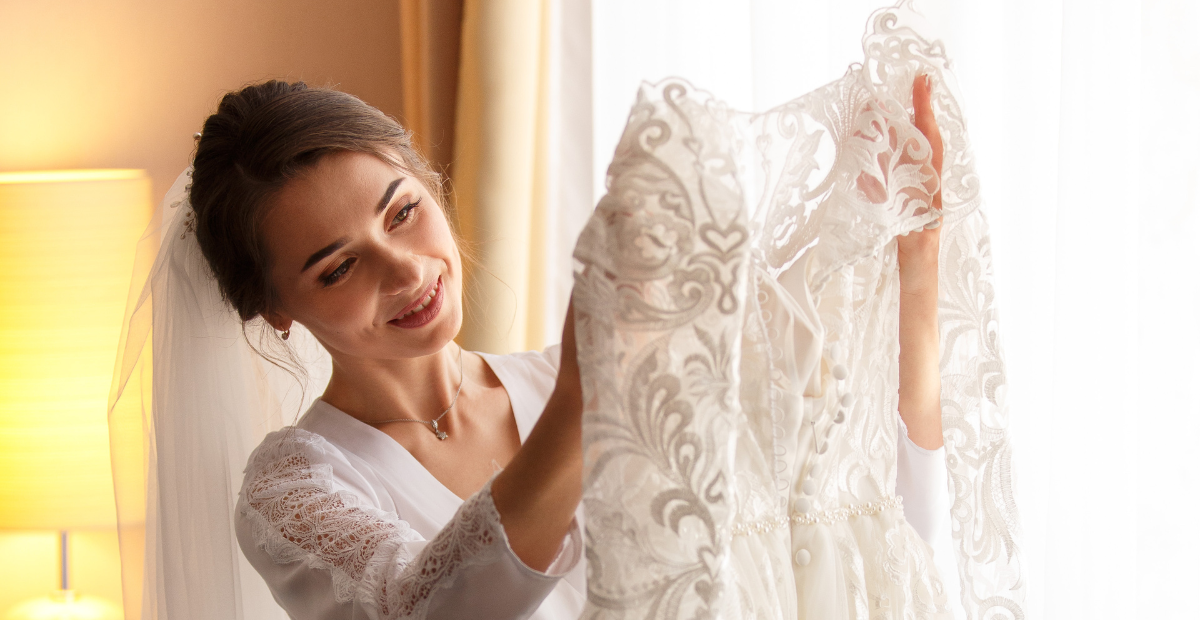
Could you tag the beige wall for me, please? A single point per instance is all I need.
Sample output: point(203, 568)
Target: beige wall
point(125, 83)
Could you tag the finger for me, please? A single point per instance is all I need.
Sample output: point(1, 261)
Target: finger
point(924, 118)
point(922, 108)
point(927, 122)
point(920, 89)
point(569, 352)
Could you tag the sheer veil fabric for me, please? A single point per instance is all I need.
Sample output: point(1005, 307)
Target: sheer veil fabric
point(736, 307)
point(211, 401)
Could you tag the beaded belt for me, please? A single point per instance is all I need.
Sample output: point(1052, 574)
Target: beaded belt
point(826, 517)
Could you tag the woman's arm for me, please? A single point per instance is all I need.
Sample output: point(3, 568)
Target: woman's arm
point(537, 493)
point(920, 378)
point(307, 522)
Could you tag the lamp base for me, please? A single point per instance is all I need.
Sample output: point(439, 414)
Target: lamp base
point(64, 605)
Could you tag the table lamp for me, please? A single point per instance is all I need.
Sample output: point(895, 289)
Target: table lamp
point(67, 242)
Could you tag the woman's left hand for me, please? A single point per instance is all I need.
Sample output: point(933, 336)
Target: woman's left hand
point(918, 250)
point(920, 348)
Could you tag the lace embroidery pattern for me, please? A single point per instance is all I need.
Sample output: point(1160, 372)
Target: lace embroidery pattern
point(297, 515)
point(658, 319)
point(984, 519)
point(474, 537)
point(737, 308)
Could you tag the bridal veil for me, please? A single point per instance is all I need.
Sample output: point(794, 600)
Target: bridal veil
point(190, 400)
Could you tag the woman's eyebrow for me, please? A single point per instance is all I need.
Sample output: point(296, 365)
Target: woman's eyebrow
point(387, 195)
point(322, 253)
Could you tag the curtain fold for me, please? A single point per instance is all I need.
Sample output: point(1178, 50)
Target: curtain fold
point(521, 167)
point(500, 93)
point(430, 32)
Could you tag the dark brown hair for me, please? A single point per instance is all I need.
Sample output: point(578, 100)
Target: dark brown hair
point(260, 138)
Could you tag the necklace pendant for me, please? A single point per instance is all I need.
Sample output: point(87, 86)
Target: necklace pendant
point(440, 434)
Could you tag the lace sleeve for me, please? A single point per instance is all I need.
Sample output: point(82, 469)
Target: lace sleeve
point(325, 553)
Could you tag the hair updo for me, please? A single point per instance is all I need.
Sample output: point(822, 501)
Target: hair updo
point(260, 138)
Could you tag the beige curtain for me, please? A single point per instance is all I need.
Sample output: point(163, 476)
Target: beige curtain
point(429, 49)
point(500, 170)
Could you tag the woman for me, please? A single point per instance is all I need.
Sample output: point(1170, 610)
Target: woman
point(312, 209)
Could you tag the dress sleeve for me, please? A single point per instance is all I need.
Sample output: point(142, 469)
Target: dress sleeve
point(921, 482)
point(327, 553)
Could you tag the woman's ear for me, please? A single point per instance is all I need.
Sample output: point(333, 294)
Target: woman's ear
point(280, 322)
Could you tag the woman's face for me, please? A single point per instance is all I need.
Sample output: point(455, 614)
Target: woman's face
point(363, 257)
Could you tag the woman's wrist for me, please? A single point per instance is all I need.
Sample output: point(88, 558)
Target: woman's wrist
point(917, 260)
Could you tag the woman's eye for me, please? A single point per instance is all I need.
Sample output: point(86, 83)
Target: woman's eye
point(404, 212)
point(339, 273)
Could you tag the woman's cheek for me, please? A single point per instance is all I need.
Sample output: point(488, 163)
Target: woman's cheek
point(347, 312)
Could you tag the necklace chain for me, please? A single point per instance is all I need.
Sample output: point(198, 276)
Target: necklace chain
point(433, 424)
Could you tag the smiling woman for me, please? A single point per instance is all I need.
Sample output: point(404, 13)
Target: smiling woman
point(309, 212)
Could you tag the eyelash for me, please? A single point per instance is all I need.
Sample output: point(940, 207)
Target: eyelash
point(401, 217)
point(405, 211)
point(339, 273)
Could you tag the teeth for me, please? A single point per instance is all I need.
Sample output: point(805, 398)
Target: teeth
point(424, 302)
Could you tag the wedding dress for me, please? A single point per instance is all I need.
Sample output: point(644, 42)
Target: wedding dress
point(737, 304)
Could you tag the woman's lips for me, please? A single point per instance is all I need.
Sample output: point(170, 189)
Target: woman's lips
point(429, 305)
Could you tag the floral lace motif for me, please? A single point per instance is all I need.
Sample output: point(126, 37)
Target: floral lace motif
point(297, 515)
point(737, 312)
point(474, 537)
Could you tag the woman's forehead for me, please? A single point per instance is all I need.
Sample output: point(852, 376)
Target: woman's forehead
point(336, 197)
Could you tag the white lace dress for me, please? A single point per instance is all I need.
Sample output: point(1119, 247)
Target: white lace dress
point(736, 306)
point(338, 517)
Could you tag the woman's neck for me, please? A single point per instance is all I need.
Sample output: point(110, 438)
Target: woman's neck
point(373, 390)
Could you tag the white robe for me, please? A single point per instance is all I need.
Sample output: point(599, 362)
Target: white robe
point(337, 517)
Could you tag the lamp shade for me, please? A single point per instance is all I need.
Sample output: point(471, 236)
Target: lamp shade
point(67, 242)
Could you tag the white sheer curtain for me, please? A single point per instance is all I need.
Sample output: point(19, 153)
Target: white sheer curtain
point(1081, 117)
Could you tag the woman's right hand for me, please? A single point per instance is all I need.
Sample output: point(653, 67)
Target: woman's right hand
point(568, 386)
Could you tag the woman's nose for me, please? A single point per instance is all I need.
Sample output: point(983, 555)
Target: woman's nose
point(400, 271)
